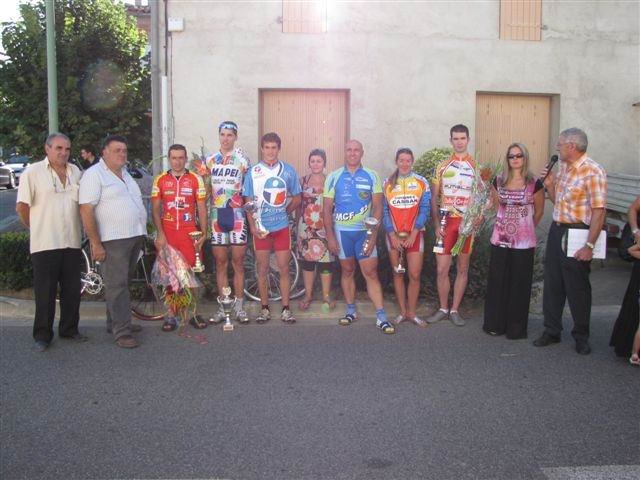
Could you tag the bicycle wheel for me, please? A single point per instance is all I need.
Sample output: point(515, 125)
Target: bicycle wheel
point(91, 281)
point(146, 298)
point(273, 278)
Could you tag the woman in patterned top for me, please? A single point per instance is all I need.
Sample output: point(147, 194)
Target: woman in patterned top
point(312, 248)
point(520, 202)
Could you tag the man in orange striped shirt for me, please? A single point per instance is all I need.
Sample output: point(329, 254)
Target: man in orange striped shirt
point(579, 195)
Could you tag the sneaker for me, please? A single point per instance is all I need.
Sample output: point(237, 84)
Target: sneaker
point(384, 325)
point(218, 317)
point(241, 316)
point(419, 322)
point(456, 319)
point(264, 316)
point(287, 316)
point(436, 317)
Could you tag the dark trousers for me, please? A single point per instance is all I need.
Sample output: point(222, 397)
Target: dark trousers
point(506, 308)
point(120, 262)
point(50, 269)
point(565, 279)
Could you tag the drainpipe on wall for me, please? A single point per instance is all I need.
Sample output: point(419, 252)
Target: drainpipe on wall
point(159, 92)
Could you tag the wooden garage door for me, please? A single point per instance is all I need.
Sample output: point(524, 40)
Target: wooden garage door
point(504, 119)
point(307, 119)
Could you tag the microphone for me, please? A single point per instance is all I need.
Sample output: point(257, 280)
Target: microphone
point(552, 162)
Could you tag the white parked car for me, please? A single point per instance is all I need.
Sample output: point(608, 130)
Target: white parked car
point(7, 178)
point(17, 164)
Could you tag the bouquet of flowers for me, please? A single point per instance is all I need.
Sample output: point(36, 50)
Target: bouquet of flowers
point(173, 273)
point(480, 207)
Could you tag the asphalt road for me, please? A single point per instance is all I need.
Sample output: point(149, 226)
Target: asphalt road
point(323, 401)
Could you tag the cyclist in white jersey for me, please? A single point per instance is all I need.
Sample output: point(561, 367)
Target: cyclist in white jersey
point(223, 174)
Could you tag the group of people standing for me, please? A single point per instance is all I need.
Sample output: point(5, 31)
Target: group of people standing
point(338, 215)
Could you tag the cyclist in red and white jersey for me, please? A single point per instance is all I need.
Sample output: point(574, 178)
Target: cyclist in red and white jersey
point(177, 199)
point(451, 192)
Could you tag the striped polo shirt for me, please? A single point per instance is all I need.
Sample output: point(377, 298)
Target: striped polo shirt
point(118, 206)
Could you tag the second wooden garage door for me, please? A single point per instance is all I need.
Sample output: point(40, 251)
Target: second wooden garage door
point(505, 119)
point(304, 120)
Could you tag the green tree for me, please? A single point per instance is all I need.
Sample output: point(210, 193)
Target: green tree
point(103, 77)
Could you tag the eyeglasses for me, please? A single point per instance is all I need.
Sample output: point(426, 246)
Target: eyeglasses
point(560, 144)
point(517, 155)
point(58, 186)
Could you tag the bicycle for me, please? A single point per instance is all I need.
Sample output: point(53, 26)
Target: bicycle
point(146, 298)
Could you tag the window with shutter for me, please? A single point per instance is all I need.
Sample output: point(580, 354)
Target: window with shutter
point(520, 19)
point(308, 16)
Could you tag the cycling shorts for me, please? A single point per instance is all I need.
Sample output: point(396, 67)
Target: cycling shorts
point(417, 247)
point(237, 236)
point(321, 267)
point(180, 240)
point(277, 241)
point(350, 243)
point(451, 233)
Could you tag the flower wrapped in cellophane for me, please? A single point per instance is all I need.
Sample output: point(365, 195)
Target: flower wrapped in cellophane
point(174, 274)
point(480, 207)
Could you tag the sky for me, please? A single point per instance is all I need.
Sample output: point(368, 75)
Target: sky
point(8, 10)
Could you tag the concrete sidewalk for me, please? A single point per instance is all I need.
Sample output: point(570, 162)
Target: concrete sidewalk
point(609, 280)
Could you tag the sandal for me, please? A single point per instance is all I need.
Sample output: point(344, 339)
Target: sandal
point(328, 305)
point(386, 327)
point(634, 359)
point(170, 324)
point(348, 319)
point(197, 322)
point(304, 304)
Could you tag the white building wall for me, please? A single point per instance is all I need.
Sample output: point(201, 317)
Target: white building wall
point(413, 70)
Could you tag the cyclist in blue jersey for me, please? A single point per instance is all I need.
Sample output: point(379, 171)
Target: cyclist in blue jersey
point(351, 194)
point(274, 187)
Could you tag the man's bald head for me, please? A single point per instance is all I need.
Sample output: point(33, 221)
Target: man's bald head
point(353, 152)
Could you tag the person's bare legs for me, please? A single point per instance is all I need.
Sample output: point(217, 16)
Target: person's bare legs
point(262, 271)
point(398, 283)
point(238, 253)
point(325, 280)
point(443, 263)
point(414, 267)
point(347, 280)
point(369, 267)
point(282, 260)
point(462, 277)
point(308, 277)
point(221, 256)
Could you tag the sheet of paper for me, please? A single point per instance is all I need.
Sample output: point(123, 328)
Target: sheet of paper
point(576, 239)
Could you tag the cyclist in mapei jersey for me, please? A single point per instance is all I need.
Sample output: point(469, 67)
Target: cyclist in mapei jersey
point(351, 194)
point(223, 173)
point(177, 199)
point(451, 192)
point(406, 210)
point(275, 188)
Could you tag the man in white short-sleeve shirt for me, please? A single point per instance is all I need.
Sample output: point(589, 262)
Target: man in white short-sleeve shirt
point(115, 220)
point(47, 205)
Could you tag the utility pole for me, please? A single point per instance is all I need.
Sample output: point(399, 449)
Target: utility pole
point(52, 72)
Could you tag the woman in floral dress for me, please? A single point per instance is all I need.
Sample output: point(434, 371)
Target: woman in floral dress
point(313, 254)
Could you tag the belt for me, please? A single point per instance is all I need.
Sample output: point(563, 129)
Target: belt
point(581, 225)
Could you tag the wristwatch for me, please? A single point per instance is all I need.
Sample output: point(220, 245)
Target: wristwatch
point(590, 245)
